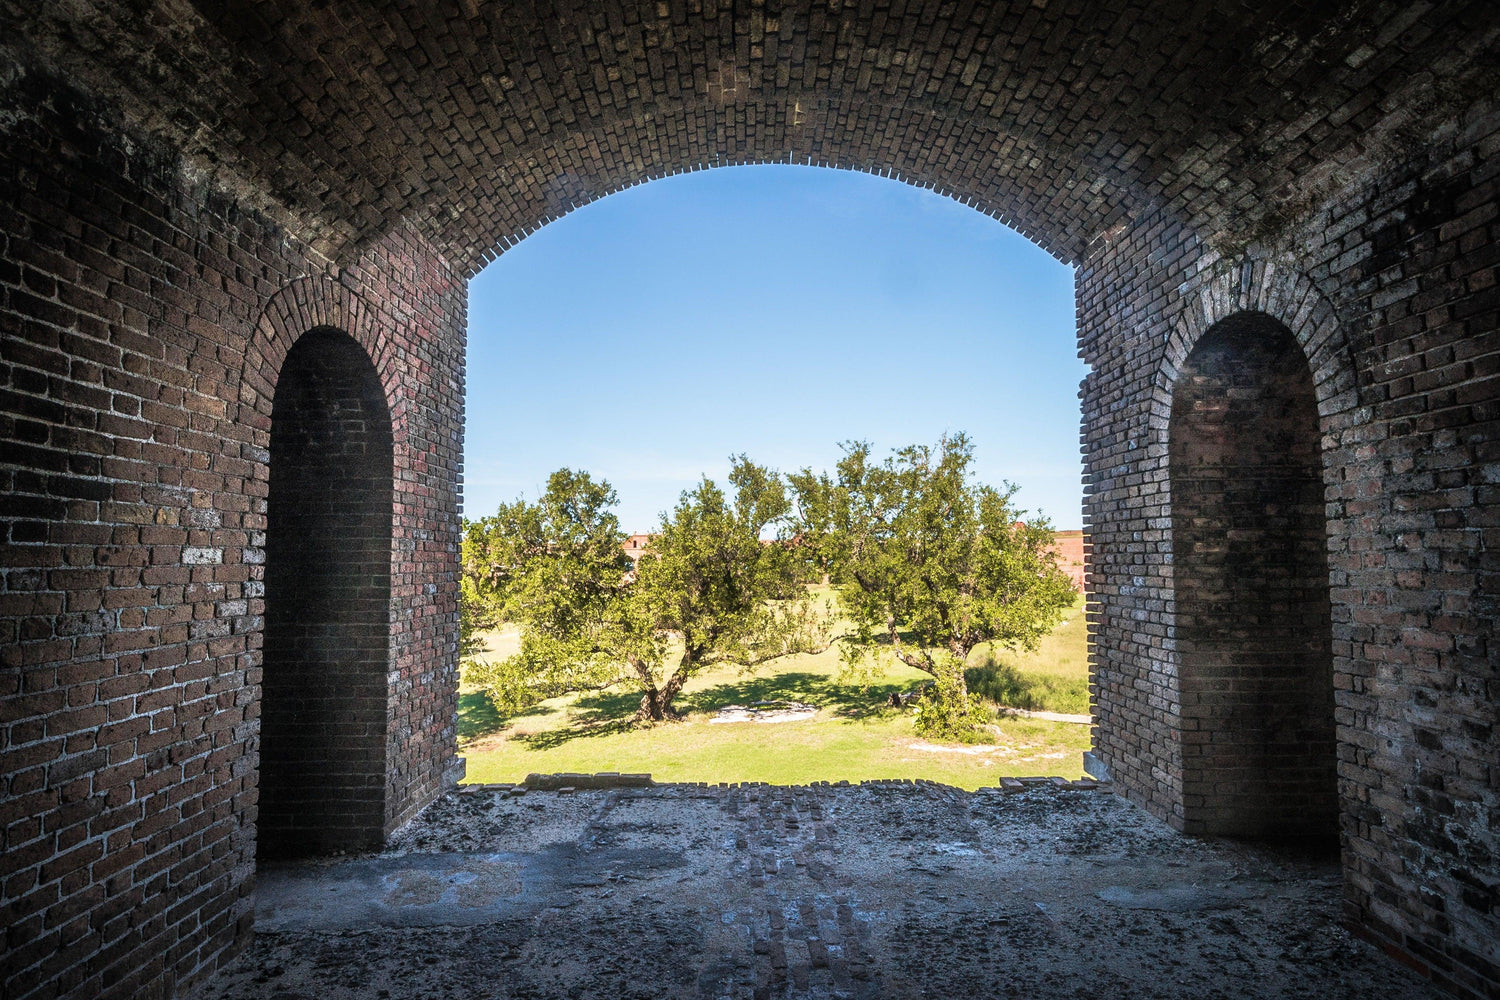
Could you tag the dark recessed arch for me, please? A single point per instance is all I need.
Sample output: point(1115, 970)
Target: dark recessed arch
point(1250, 569)
point(328, 590)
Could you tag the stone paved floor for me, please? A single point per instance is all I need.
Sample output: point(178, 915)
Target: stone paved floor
point(875, 890)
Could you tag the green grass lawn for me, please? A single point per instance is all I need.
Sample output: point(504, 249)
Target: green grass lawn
point(853, 736)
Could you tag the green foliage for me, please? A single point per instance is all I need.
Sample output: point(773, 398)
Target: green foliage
point(936, 564)
point(558, 565)
point(557, 568)
point(821, 508)
point(475, 614)
point(542, 669)
point(948, 711)
point(1052, 678)
point(479, 606)
point(706, 590)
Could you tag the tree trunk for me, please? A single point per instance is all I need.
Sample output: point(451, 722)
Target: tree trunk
point(949, 683)
point(960, 690)
point(654, 706)
point(656, 702)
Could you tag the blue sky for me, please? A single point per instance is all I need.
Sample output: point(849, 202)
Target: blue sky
point(775, 311)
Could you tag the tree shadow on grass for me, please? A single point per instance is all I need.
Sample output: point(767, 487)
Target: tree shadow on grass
point(610, 703)
point(612, 711)
point(595, 713)
point(592, 725)
point(1005, 685)
point(478, 716)
point(846, 701)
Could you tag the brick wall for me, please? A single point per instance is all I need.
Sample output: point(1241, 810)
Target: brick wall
point(1069, 548)
point(1390, 291)
point(145, 318)
point(1332, 170)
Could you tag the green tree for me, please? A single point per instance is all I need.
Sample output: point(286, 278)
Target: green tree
point(706, 591)
point(479, 605)
point(819, 504)
point(555, 568)
point(936, 564)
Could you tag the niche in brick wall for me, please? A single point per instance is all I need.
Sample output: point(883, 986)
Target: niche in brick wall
point(1250, 570)
point(328, 588)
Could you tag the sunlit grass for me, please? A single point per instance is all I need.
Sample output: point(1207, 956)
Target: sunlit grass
point(854, 735)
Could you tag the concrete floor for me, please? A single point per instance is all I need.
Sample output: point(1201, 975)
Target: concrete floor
point(875, 890)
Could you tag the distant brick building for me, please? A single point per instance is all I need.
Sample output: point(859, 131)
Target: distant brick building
point(635, 547)
point(1069, 548)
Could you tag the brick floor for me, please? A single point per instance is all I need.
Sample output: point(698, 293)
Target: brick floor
point(886, 889)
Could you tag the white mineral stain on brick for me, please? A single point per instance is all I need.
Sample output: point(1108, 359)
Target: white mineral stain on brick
point(203, 518)
point(196, 556)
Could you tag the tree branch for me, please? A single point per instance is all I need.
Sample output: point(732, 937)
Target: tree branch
point(642, 671)
point(923, 663)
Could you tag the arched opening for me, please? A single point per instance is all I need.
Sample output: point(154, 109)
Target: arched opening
point(831, 306)
point(328, 589)
point(1251, 578)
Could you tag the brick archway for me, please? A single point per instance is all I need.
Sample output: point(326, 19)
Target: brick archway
point(1045, 191)
point(325, 697)
point(320, 304)
point(1253, 652)
point(311, 303)
point(1279, 290)
point(320, 791)
point(164, 174)
point(1276, 297)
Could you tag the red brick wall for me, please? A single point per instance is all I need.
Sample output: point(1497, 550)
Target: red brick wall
point(144, 320)
point(1069, 548)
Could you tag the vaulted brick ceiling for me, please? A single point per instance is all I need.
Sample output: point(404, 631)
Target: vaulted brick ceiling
point(477, 121)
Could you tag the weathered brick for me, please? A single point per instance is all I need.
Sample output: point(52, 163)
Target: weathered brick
point(147, 318)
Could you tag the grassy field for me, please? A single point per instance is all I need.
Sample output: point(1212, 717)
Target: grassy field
point(1054, 678)
point(853, 736)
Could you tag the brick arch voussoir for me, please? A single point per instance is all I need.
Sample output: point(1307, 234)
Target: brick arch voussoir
point(945, 150)
point(308, 304)
point(1282, 292)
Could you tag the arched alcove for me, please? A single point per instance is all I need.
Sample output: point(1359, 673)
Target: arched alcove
point(328, 587)
point(1251, 578)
